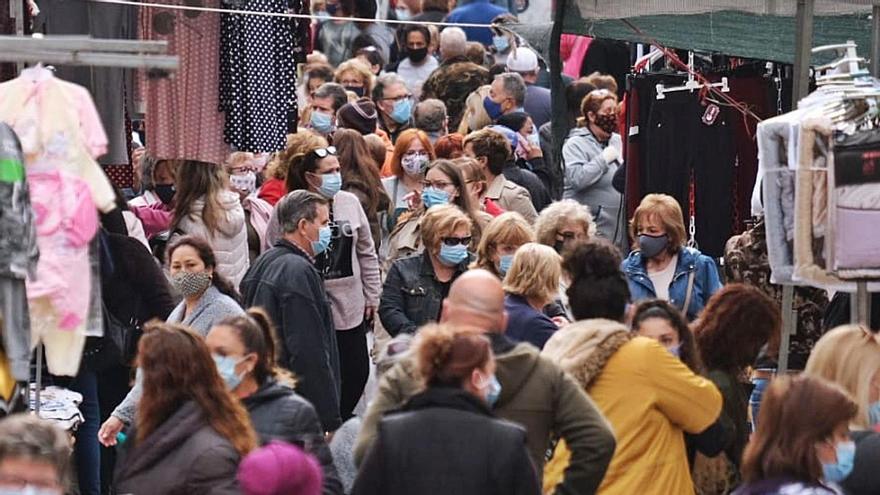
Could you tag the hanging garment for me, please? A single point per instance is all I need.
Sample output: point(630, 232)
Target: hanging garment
point(108, 84)
point(59, 129)
point(18, 236)
point(855, 205)
point(183, 121)
point(258, 75)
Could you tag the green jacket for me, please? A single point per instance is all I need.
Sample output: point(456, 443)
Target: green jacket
point(536, 394)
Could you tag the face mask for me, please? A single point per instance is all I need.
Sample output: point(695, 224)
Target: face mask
point(332, 8)
point(494, 391)
point(226, 368)
point(356, 90)
point(246, 182)
point(838, 471)
point(453, 255)
point(558, 246)
point(418, 54)
point(165, 192)
point(322, 14)
point(323, 242)
point(402, 111)
point(534, 139)
point(414, 165)
point(501, 43)
point(433, 197)
point(607, 123)
point(321, 122)
point(651, 246)
point(492, 108)
point(402, 14)
point(330, 184)
point(874, 413)
point(505, 263)
point(675, 350)
point(191, 284)
point(29, 490)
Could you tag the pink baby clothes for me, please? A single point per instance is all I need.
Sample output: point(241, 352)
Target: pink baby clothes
point(66, 220)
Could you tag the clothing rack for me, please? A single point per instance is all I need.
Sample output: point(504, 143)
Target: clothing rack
point(692, 84)
point(81, 51)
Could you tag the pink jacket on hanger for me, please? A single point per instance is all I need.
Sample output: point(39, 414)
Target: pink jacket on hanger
point(67, 220)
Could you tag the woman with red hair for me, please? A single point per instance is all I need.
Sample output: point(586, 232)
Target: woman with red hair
point(410, 159)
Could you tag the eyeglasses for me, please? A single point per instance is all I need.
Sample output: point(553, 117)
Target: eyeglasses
point(455, 241)
point(436, 184)
point(399, 98)
point(324, 152)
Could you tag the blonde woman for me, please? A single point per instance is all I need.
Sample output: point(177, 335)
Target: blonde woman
point(355, 76)
point(531, 284)
point(475, 116)
point(502, 237)
point(564, 223)
point(850, 357)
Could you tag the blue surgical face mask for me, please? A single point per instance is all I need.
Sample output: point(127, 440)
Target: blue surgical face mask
point(323, 242)
point(675, 350)
point(651, 246)
point(226, 368)
point(492, 109)
point(874, 413)
point(402, 111)
point(330, 184)
point(501, 43)
point(505, 263)
point(402, 14)
point(433, 197)
point(494, 391)
point(453, 255)
point(321, 122)
point(29, 490)
point(332, 8)
point(838, 471)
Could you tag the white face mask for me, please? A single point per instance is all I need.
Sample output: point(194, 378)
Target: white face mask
point(246, 182)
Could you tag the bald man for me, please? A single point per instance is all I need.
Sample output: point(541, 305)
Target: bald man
point(535, 392)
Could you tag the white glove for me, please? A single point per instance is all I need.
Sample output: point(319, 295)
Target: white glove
point(610, 154)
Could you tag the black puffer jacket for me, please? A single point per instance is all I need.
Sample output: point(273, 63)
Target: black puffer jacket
point(278, 413)
point(446, 441)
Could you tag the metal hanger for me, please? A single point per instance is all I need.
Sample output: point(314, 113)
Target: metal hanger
point(692, 84)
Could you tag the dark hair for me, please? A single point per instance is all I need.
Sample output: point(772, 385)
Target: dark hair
point(491, 144)
point(206, 254)
point(297, 206)
point(362, 41)
point(797, 412)
point(319, 71)
point(476, 53)
point(598, 288)
point(371, 54)
point(656, 308)
point(332, 90)
point(416, 28)
point(177, 368)
point(359, 169)
point(574, 95)
point(496, 70)
point(300, 165)
point(257, 334)
point(447, 355)
point(736, 322)
point(463, 200)
point(514, 120)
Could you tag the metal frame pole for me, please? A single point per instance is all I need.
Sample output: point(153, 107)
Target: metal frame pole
point(803, 40)
point(875, 39)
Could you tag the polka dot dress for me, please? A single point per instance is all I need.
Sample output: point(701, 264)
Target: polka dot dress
point(258, 57)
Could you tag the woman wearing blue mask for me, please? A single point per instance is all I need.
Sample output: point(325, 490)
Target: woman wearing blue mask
point(416, 286)
point(449, 428)
point(802, 444)
point(443, 184)
point(348, 264)
point(850, 357)
point(530, 285)
point(501, 238)
point(244, 349)
point(661, 266)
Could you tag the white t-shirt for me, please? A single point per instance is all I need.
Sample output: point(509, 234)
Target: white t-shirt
point(416, 75)
point(663, 279)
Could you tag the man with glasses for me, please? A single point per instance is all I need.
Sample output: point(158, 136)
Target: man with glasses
point(395, 105)
point(34, 456)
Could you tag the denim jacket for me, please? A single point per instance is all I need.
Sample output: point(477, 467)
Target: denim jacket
point(412, 296)
point(706, 280)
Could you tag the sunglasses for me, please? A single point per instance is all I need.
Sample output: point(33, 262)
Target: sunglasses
point(455, 241)
point(324, 152)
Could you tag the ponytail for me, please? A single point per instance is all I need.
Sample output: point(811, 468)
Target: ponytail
point(447, 355)
point(257, 335)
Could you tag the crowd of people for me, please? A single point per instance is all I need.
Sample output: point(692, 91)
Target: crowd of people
point(423, 225)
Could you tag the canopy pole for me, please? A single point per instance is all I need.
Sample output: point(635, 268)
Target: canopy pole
point(557, 89)
point(803, 42)
point(875, 39)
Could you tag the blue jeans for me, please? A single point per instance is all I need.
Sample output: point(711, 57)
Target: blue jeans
point(755, 400)
point(87, 449)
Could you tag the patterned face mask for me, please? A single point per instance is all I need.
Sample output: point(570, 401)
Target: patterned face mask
point(191, 284)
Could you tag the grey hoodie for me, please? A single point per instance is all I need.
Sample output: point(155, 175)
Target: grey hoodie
point(588, 181)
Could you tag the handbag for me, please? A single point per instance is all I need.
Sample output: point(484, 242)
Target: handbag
point(118, 346)
point(714, 475)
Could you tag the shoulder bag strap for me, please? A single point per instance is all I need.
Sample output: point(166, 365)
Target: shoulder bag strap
point(689, 293)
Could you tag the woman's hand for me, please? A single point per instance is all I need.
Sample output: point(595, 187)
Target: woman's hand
point(109, 430)
point(560, 321)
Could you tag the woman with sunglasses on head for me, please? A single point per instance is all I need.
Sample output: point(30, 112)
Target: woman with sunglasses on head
point(591, 154)
point(347, 263)
point(416, 286)
point(443, 184)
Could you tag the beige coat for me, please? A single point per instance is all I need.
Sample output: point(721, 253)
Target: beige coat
point(511, 197)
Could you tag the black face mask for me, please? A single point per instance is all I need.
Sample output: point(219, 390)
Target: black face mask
point(356, 90)
point(418, 54)
point(165, 192)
